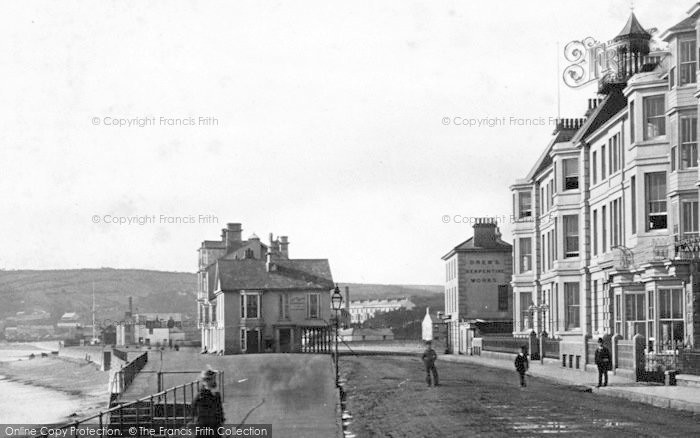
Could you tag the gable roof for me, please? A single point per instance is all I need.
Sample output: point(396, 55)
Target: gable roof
point(685, 25)
point(611, 105)
point(468, 246)
point(236, 275)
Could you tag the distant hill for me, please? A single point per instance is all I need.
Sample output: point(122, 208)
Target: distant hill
point(361, 291)
point(60, 291)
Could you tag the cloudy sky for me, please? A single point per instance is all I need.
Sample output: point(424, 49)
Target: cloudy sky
point(326, 125)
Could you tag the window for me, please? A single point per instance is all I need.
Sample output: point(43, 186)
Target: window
point(571, 236)
point(615, 155)
point(594, 311)
point(570, 173)
point(689, 211)
point(673, 159)
point(249, 254)
point(670, 317)
point(503, 297)
point(602, 163)
point(243, 340)
point(635, 314)
point(594, 167)
point(284, 305)
point(525, 254)
point(313, 306)
point(525, 312)
point(603, 237)
point(632, 121)
point(525, 201)
point(250, 305)
point(654, 118)
point(213, 311)
point(633, 203)
point(687, 65)
point(672, 77)
point(572, 305)
point(655, 186)
point(689, 142)
point(615, 223)
point(595, 232)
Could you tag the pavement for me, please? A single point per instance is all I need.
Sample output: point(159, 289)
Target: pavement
point(684, 398)
point(294, 392)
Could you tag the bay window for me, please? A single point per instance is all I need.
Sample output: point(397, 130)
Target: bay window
point(654, 117)
point(655, 187)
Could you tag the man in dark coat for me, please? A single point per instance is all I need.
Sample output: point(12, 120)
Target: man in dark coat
point(429, 357)
point(522, 364)
point(602, 359)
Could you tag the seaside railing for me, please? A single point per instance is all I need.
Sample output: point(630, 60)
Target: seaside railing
point(124, 377)
point(171, 407)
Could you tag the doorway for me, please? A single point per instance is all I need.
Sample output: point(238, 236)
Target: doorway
point(285, 339)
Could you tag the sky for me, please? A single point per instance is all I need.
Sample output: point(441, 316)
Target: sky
point(132, 131)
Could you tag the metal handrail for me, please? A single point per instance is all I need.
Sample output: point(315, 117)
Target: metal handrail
point(149, 398)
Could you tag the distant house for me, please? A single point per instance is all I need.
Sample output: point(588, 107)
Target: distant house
point(362, 310)
point(363, 334)
point(151, 329)
point(253, 298)
point(69, 320)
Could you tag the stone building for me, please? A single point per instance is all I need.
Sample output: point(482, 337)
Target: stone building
point(362, 310)
point(607, 218)
point(253, 298)
point(477, 284)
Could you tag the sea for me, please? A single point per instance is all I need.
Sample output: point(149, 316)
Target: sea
point(28, 404)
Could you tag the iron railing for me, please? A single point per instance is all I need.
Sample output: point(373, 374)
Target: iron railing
point(504, 344)
point(172, 407)
point(551, 348)
point(124, 377)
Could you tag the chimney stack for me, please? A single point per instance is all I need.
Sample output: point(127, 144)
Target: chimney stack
point(485, 232)
point(284, 245)
point(130, 312)
point(231, 235)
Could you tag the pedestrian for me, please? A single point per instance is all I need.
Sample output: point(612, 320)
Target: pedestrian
point(429, 358)
point(207, 407)
point(602, 359)
point(522, 364)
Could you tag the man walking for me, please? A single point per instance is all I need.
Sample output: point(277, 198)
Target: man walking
point(429, 357)
point(602, 360)
point(522, 364)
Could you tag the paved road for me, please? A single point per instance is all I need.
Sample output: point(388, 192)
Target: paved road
point(388, 397)
point(293, 392)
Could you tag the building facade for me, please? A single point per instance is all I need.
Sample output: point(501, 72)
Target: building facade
point(153, 329)
point(253, 298)
point(477, 282)
point(362, 310)
point(607, 218)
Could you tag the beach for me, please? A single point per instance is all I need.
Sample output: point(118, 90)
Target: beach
point(50, 389)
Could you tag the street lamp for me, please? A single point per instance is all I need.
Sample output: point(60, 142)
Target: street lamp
point(336, 302)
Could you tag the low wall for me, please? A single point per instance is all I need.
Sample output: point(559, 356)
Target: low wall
point(94, 354)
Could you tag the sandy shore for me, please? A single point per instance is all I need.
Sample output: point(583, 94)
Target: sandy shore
point(81, 380)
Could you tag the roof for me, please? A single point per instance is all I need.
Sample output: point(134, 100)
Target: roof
point(633, 28)
point(468, 246)
point(235, 275)
point(685, 25)
point(606, 110)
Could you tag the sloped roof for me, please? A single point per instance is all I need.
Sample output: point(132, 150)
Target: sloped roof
point(606, 110)
point(633, 28)
point(236, 275)
point(468, 245)
point(685, 25)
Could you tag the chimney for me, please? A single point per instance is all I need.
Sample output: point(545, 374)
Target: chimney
point(232, 234)
point(284, 245)
point(485, 233)
point(130, 312)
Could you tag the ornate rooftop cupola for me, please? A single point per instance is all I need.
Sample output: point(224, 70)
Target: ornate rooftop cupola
point(626, 56)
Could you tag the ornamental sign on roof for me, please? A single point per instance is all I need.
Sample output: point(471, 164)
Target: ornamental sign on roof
point(590, 61)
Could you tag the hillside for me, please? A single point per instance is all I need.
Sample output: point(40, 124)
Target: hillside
point(60, 291)
point(361, 291)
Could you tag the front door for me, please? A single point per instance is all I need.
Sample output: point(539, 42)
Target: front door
point(285, 340)
point(252, 341)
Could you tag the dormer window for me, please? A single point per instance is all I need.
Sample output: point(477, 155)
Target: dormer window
point(249, 254)
point(687, 65)
point(570, 174)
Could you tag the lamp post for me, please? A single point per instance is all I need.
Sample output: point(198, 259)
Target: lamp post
point(539, 309)
point(336, 302)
